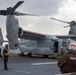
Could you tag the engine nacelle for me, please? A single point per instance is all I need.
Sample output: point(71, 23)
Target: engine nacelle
point(12, 26)
point(20, 33)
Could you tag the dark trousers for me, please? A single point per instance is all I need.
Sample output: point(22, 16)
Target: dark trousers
point(5, 62)
point(1, 56)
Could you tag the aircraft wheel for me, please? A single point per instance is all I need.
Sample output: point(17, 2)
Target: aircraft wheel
point(58, 56)
point(29, 54)
point(45, 56)
point(21, 54)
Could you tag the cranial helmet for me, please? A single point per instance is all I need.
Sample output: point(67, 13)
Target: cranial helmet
point(72, 46)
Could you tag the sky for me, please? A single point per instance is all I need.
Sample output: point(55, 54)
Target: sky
point(60, 9)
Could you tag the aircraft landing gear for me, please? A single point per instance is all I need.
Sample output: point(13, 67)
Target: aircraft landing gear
point(29, 55)
point(45, 56)
point(21, 54)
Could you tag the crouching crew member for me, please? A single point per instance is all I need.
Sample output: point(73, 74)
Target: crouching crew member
point(67, 62)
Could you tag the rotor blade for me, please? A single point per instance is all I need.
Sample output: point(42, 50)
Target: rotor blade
point(2, 12)
point(17, 5)
point(19, 14)
point(31, 15)
point(60, 20)
point(66, 26)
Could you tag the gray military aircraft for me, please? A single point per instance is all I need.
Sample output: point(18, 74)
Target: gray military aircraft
point(47, 44)
point(34, 43)
point(72, 26)
point(12, 26)
point(1, 37)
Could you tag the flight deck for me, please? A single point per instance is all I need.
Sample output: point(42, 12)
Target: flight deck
point(24, 65)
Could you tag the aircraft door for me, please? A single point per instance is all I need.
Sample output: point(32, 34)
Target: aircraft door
point(56, 46)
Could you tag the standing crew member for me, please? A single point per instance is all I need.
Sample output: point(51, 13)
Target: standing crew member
point(0, 54)
point(6, 54)
point(67, 62)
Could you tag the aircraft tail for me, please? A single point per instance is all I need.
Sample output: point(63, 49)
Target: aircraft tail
point(1, 37)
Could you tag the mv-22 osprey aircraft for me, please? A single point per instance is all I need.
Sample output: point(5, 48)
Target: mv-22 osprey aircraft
point(12, 27)
point(35, 43)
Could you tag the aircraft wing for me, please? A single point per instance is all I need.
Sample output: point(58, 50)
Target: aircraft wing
point(66, 36)
point(31, 35)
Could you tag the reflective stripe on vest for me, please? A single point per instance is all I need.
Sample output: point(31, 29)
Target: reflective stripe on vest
point(7, 54)
point(73, 58)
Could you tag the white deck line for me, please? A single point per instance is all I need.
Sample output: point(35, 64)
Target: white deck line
point(44, 63)
point(22, 71)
